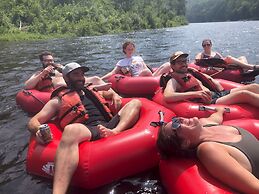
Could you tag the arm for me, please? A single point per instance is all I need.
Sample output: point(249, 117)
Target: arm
point(171, 94)
point(114, 71)
point(46, 114)
point(35, 78)
point(114, 97)
point(214, 118)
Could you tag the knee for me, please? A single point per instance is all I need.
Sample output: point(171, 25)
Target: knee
point(69, 135)
point(228, 59)
point(146, 72)
point(136, 103)
point(253, 87)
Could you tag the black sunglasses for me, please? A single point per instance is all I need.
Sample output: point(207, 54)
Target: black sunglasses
point(206, 45)
point(176, 123)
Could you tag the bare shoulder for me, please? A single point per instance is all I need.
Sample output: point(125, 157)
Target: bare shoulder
point(198, 56)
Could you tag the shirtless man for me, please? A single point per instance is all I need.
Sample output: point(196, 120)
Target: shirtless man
point(50, 77)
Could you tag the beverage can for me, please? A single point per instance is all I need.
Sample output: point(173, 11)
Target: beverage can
point(45, 132)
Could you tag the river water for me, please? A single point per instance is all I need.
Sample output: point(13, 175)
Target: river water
point(19, 60)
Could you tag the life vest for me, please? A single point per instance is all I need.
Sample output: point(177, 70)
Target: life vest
point(207, 82)
point(73, 111)
point(189, 83)
point(45, 84)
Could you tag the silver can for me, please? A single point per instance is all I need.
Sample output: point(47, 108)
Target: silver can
point(45, 132)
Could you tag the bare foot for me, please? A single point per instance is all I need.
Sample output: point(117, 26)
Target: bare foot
point(105, 132)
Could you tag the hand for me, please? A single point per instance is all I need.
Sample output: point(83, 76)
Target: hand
point(205, 96)
point(43, 140)
point(47, 71)
point(116, 101)
point(58, 67)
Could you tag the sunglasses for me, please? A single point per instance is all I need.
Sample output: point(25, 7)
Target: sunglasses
point(175, 125)
point(206, 45)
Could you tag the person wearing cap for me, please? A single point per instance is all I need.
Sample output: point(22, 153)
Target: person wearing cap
point(229, 153)
point(49, 77)
point(209, 53)
point(83, 116)
point(184, 86)
point(130, 65)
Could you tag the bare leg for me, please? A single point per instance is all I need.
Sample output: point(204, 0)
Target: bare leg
point(67, 156)
point(95, 80)
point(222, 165)
point(165, 68)
point(241, 63)
point(129, 115)
point(250, 87)
point(146, 72)
point(240, 97)
point(98, 83)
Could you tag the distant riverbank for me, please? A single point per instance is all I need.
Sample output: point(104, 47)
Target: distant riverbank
point(18, 35)
point(25, 36)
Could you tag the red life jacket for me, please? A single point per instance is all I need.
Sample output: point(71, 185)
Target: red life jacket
point(205, 80)
point(73, 111)
point(45, 84)
point(189, 83)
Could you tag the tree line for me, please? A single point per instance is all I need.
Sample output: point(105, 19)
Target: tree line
point(222, 10)
point(88, 17)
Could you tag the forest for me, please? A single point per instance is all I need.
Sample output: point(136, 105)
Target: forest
point(221, 10)
point(88, 17)
point(36, 19)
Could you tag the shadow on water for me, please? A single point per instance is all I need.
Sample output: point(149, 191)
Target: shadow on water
point(19, 60)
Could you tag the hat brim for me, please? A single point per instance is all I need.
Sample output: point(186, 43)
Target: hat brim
point(84, 68)
point(181, 55)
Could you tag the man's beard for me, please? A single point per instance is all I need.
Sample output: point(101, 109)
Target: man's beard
point(76, 85)
point(44, 65)
point(181, 71)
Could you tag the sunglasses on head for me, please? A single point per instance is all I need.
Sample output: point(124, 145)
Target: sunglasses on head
point(208, 44)
point(176, 123)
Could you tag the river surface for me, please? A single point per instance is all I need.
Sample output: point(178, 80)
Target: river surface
point(19, 60)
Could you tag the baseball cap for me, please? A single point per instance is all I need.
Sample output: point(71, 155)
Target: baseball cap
point(71, 67)
point(176, 55)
